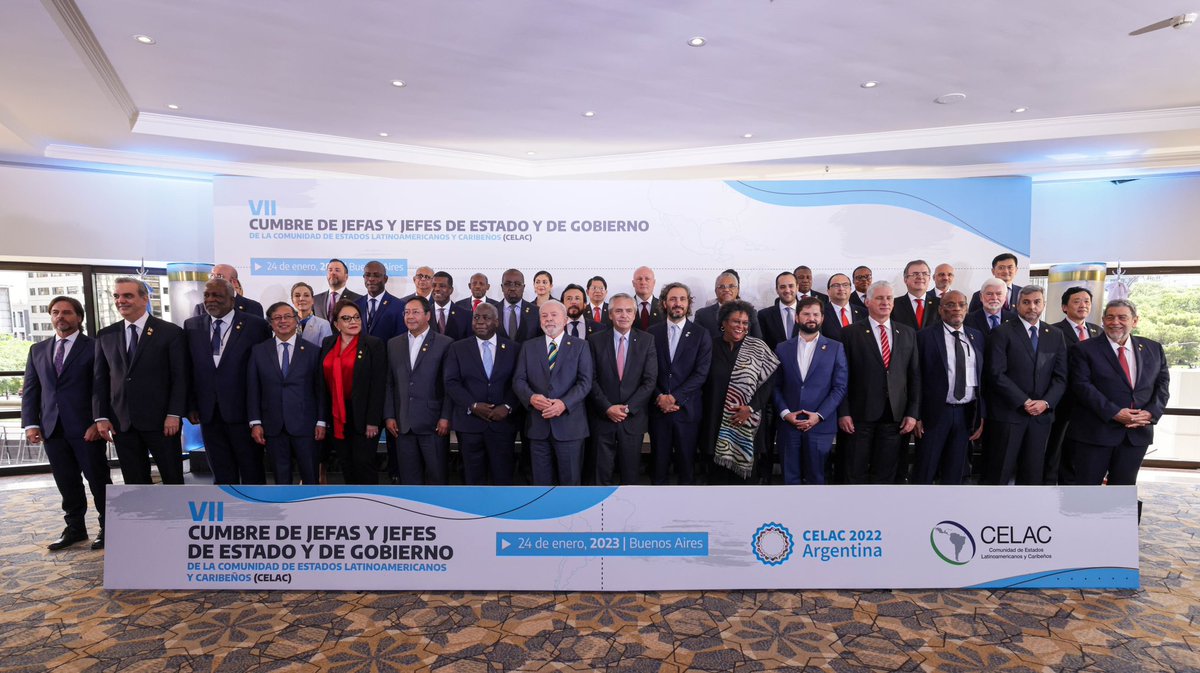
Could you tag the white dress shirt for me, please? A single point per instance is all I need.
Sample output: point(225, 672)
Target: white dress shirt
point(875, 333)
point(972, 381)
point(1129, 356)
point(414, 346)
point(805, 349)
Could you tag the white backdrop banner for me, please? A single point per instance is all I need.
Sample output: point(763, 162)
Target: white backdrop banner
point(620, 539)
point(280, 231)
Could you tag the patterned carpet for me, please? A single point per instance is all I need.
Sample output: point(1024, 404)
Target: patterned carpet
point(54, 615)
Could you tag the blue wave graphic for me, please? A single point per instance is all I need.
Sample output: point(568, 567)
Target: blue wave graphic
point(997, 209)
point(1075, 578)
point(521, 503)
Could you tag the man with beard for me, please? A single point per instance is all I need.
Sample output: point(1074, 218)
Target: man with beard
point(728, 288)
point(448, 319)
point(1004, 268)
point(579, 324)
point(336, 275)
point(991, 313)
point(814, 382)
point(684, 356)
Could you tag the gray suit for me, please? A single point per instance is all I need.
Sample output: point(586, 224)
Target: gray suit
point(321, 301)
point(557, 439)
point(416, 399)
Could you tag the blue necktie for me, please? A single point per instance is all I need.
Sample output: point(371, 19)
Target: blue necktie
point(131, 347)
point(287, 361)
point(487, 358)
point(216, 337)
point(1033, 337)
point(993, 322)
point(60, 356)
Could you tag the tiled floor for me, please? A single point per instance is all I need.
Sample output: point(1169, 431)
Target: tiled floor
point(54, 615)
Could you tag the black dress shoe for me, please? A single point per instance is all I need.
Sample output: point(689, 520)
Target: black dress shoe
point(69, 537)
point(98, 543)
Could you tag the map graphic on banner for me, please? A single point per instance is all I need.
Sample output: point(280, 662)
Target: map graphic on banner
point(281, 231)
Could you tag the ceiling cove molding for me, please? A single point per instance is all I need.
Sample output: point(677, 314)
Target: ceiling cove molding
point(158, 164)
point(77, 31)
point(1174, 119)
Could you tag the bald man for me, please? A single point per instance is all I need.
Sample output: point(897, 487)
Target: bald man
point(240, 303)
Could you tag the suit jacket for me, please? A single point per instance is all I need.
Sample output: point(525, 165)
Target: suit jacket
point(657, 315)
point(458, 321)
point(1072, 337)
point(291, 404)
point(935, 363)
point(707, 318)
point(770, 321)
point(855, 299)
point(529, 322)
point(240, 304)
point(590, 327)
point(416, 394)
point(51, 400)
point(901, 381)
point(814, 293)
point(467, 303)
point(605, 319)
point(821, 391)
point(571, 381)
point(321, 301)
point(1015, 373)
point(1101, 389)
point(1010, 302)
point(388, 320)
point(467, 383)
point(634, 389)
point(368, 391)
point(222, 388)
point(832, 325)
point(683, 377)
point(978, 320)
point(903, 312)
point(140, 394)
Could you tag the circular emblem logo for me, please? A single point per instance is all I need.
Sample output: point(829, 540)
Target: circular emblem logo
point(952, 542)
point(772, 543)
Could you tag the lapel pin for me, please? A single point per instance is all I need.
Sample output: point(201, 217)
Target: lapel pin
point(238, 326)
point(822, 346)
point(687, 334)
point(385, 302)
point(502, 346)
point(424, 348)
point(149, 331)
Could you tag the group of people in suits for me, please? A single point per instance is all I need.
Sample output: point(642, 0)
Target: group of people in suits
point(832, 386)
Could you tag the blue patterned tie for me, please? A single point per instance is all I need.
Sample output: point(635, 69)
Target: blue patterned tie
point(552, 355)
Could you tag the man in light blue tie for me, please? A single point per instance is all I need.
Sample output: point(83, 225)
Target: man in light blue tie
point(684, 355)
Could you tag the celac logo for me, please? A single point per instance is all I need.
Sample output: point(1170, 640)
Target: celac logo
point(772, 543)
point(950, 541)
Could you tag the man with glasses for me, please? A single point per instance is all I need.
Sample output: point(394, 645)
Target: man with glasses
point(336, 274)
point(1004, 267)
point(728, 288)
point(862, 278)
point(423, 285)
point(840, 311)
point(285, 387)
point(219, 345)
point(915, 308)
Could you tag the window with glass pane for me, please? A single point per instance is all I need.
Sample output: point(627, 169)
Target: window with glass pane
point(106, 311)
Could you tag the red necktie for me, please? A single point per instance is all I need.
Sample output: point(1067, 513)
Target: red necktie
point(596, 313)
point(920, 312)
point(1082, 332)
point(1124, 365)
point(475, 304)
point(845, 320)
point(885, 347)
point(645, 315)
point(332, 303)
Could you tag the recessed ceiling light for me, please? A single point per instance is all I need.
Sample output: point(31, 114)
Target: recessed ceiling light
point(1019, 110)
point(383, 134)
point(531, 153)
point(950, 98)
point(747, 135)
point(869, 85)
point(1122, 153)
point(144, 39)
point(172, 106)
point(399, 83)
point(697, 42)
point(589, 113)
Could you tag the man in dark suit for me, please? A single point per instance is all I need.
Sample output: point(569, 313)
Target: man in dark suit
point(626, 369)
point(778, 322)
point(479, 287)
point(813, 384)
point(422, 280)
point(992, 313)
point(56, 408)
point(684, 355)
point(518, 318)
point(597, 307)
point(862, 278)
point(804, 285)
point(140, 389)
point(1026, 375)
point(1004, 267)
point(649, 310)
point(728, 288)
point(1076, 306)
point(884, 393)
point(417, 410)
point(951, 357)
point(240, 303)
point(579, 322)
point(285, 386)
point(1121, 390)
point(383, 313)
point(553, 378)
point(943, 279)
point(448, 318)
point(336, 274)
point(915, 309)
point(219, 345)
point(840, 312)
point(478, 374)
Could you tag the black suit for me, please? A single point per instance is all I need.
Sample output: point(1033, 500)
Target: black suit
point(321, 301)
point(979, 320)
point(137, 396)
point(586, 329)
point(654, 315)
point(856, 300)
point(457, 321)
point(619, 445)
point(904, 312)
point(1016, 373)
point(469, 303)
point(813, 293)
point(1059, 466)
point(942, 450)
point(878, 399)
point(832, 325)
point(365, 407)
point(529, 322)
point(218, 395)
point(771, 322)
point(61, 406)
point(605, 319)
point(486, 446)
point(1010, 303)
point(240, 304)
point(707, 319)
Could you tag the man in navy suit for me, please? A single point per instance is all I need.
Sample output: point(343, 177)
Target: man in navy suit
point(1026, 376)
point(840, 311)
point(728, 287)
point(285, 386)
point(597, 307)
point(240, 303)
point(951, 357)
point(649, 311)
point(448, 318)
point(422, 280)
point(553, 378)
point(519, 319)
point(1004, 268)
point(915, 308)
point(815, 377)
point(991, 313)
point(1121, 390)
point(684, 355)
point(778, 322)
point(478, 375)
point(943, 280)
point(626, 369)
point(56, 408)
point(139, 393)
point(1076, 306)
point(219, 345)
point(863, 277)
point(479, 286)
point(579, 323)
point(417, 410)
point(383, 313)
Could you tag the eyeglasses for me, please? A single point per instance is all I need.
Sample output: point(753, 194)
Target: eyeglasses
point(839, 285)
point(422, 276)
point(350, 318)
point(917, 274)
point(283, 318)
point(863, 277)
point(727, 287)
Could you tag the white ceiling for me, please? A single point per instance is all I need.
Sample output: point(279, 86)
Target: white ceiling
point(302, 88)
